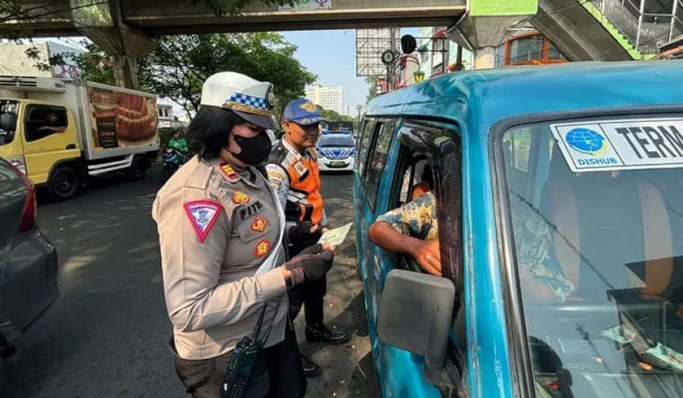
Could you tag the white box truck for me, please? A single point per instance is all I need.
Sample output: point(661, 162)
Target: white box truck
point(59, 132)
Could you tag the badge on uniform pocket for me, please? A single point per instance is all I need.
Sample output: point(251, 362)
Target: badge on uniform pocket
point(253, 227)
point(259, 224)
point(262, 248)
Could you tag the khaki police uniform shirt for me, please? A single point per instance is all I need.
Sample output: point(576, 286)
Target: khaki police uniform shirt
point(216, 227)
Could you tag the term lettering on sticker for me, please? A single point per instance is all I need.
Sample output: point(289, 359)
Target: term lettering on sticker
point(229, 172)
point(621, 144)
point(240, 198)
point(259, 224)
point(203, 215)
point(262, 248)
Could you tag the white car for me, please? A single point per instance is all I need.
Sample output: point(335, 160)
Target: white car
point(336, 152)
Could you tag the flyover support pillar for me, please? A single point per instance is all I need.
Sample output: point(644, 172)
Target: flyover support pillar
point(102, 23)
point(486, 26)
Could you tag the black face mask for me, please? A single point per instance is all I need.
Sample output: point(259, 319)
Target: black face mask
point(254, 150)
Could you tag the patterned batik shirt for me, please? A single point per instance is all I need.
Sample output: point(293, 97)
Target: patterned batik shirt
point(416, 218)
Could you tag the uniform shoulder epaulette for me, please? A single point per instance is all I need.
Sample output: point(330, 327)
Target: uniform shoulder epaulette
point(229, 172)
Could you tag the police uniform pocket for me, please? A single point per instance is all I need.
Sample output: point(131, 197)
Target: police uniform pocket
point(254, 227)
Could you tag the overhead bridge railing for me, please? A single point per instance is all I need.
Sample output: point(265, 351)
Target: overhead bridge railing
point(640, 32)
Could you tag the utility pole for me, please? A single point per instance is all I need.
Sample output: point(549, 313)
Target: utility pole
point(390, 71)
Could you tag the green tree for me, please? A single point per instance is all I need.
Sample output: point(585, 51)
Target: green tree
point(95, 65)
point(372, 87)
point(333, 116)
point(179, 66)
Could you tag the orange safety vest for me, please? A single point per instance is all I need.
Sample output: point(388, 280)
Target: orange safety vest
point(304, 201)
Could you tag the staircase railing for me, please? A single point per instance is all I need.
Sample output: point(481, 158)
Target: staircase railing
point(647, 32)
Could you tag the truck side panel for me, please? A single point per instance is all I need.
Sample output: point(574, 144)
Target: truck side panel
point(120, 121)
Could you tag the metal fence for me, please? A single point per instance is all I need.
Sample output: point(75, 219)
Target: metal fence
point(647, 32)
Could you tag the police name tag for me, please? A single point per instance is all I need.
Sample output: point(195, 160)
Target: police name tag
point(621, 144)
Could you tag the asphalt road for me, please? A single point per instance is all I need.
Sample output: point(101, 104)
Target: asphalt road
point(105, 334)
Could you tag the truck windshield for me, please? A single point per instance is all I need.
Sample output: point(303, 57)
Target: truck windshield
point(8, 120)
point(596, 216)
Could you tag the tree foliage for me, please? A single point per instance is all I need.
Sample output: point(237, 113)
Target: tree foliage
point(95, 65)
point(179, 66)
point(372, 87)
point(333, 116)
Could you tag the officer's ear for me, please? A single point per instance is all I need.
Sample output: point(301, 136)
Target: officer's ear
point(285, 126)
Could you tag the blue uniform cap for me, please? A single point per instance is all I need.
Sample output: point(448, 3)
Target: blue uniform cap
point(302, 112)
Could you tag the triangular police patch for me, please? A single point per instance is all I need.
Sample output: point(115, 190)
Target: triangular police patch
point(202, 214)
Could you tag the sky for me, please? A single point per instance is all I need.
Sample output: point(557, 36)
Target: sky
point(331, 55)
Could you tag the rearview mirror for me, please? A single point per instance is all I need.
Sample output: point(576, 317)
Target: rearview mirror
point(415, 315)
point(8, 121)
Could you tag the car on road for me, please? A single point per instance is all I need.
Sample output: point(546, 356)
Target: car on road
point(28, 261)
point(336, 152)
point(559, 210)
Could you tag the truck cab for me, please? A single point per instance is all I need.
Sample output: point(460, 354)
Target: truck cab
point(37, 136)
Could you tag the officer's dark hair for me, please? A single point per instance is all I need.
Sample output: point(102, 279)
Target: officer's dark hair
point(209, 130)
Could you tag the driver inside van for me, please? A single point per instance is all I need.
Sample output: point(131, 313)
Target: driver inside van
point(412, 229)
point(52, 123)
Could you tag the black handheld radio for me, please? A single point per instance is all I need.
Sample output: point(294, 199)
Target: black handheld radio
point(242, 362)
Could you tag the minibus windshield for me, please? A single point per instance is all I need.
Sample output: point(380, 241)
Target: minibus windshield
point(596, 223)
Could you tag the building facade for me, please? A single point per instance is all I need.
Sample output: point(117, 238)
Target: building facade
point(16, 62)
point(329, 97)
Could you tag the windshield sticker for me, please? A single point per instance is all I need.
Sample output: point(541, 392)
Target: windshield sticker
point(621, 144)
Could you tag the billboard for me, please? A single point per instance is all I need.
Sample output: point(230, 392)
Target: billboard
point(121, 119)
point(370, 44)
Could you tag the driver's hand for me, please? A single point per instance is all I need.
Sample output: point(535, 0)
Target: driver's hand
point(427, 254)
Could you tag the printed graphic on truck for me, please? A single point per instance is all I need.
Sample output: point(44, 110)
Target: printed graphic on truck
point(121, 119)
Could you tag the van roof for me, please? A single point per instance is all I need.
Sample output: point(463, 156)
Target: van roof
point(488, 96)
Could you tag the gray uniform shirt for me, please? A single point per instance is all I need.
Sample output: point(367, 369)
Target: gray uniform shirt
point(216, 227)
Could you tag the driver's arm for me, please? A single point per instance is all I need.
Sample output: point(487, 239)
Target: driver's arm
point(394, 232)
point(54, 129)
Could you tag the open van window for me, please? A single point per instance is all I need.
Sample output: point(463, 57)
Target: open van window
point(8, 120)
point(43, 121)
point(597, 230)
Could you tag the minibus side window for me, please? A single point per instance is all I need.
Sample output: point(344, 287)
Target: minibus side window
point(363, 144)
point(376, 161)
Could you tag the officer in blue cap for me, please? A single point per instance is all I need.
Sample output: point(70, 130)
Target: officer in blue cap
point(293, 172)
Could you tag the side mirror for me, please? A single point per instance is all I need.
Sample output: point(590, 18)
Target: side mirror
point(8, 121)
point(415, 315)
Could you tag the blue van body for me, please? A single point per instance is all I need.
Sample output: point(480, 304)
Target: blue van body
point(476, 104)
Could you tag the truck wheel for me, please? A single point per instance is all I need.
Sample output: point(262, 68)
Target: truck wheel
point(63, 183)
point(137, 170)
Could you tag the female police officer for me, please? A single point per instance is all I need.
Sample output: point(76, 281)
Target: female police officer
point(220, 231)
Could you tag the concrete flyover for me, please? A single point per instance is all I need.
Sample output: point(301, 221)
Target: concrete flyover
point(167, 17)
point(127, 28)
